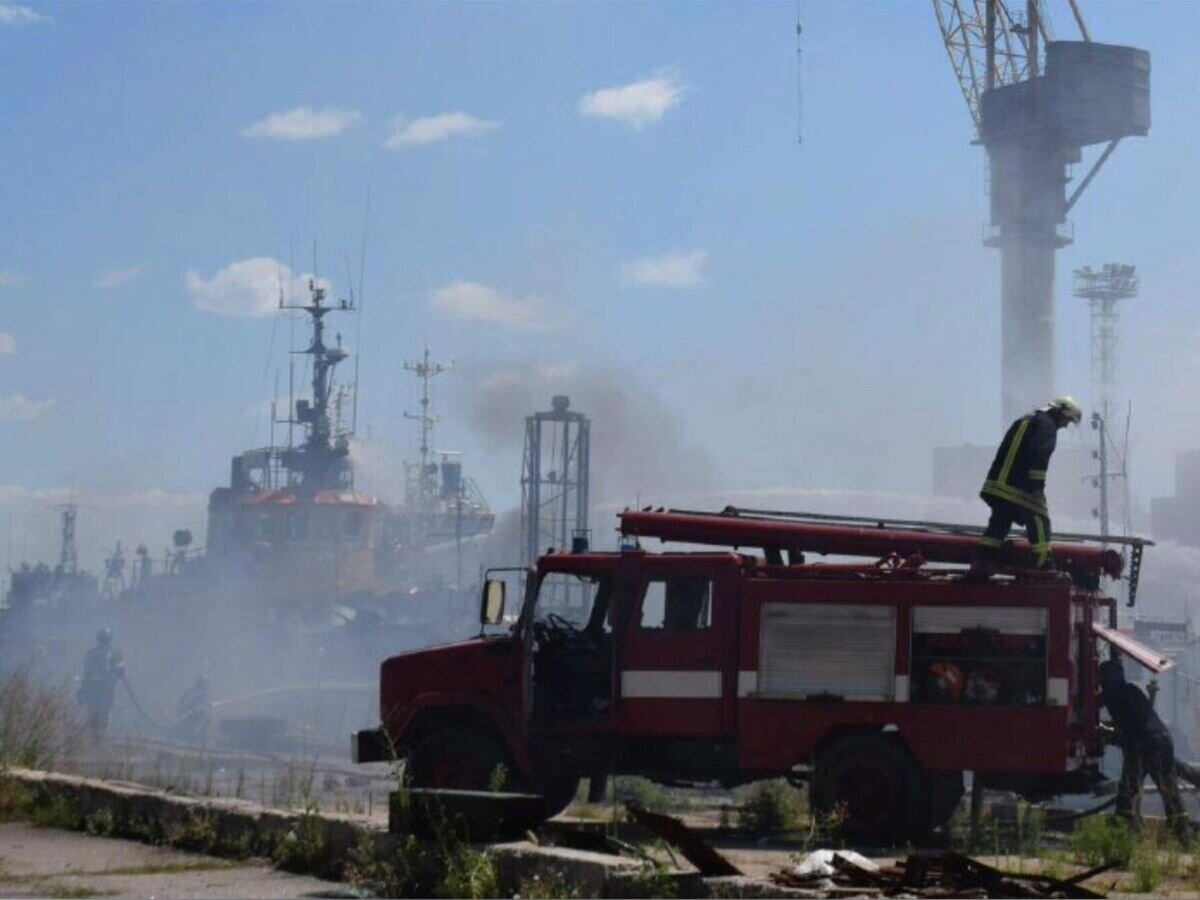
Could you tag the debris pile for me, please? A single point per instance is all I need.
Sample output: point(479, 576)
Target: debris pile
point(946, 875)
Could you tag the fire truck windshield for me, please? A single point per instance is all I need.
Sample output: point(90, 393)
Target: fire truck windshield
point(578, 602)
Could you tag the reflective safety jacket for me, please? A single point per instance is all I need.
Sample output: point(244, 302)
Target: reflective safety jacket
point(1018, 473)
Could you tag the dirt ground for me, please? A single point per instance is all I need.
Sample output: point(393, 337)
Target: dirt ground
point(43, 862)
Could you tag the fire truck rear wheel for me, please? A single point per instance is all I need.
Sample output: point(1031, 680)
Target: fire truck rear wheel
point(458, 757)
point(873, 783)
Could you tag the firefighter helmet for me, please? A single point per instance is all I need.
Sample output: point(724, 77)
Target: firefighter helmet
point(946, 681)
point(1066, 407)
point(983, 685)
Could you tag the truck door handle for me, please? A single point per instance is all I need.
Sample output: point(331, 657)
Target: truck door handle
point(707, 661)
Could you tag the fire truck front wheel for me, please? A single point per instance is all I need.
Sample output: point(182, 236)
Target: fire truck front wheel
point(458, 757)
point(559, 791)
point(872, 785)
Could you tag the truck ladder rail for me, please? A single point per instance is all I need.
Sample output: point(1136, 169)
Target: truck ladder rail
point(846, 536)
point(905, 524)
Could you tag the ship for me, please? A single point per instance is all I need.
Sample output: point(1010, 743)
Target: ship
point(290, 519)
point(304, 582)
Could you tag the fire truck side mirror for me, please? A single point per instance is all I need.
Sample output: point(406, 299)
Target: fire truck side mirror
point(491, 607)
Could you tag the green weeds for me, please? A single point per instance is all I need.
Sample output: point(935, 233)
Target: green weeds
point(768, 807)
point(1103, 841)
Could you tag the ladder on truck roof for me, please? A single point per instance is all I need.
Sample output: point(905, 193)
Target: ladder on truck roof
point(1084, 557)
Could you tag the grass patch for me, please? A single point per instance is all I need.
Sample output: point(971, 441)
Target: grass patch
point(17, 802)
point(548, 887)
point(57, 812)
point(302, 849)
point(71, 892)
point(641, 792)
point(199, 865)
point(653, 880)
point(40, 726)
point(469, 873)
point(767, 807)
point(100, 823)
point(198, 832)
point(1103, 841)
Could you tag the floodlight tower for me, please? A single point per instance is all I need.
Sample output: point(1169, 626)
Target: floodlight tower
point(1104, 289)
point(554, 480)
point(1036, 103)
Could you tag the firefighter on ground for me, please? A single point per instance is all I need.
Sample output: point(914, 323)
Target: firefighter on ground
point(103, 667)
point(193, 712)
point(1015, 488)
point(1146, 749)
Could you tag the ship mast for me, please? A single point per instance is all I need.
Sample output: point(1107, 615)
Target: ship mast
point(426, 481)
point(320, 460)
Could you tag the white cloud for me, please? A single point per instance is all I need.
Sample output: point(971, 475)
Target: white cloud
point(12, 279)
point(8, 344)
point(303, 124)
point(117, 277)
point(469, 300)
point(16, 15)
point(19, 408)
point(638, 104)
point(431, 129)
point(676, 270)
point(249, 288)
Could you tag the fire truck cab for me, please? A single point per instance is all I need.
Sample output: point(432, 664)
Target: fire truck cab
point(879, 683)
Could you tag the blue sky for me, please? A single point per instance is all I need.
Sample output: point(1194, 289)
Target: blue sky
point(573, 194)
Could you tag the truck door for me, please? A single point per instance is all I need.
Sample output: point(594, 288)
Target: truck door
point(677, 676)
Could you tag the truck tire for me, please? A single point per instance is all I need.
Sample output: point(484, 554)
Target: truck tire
point(457, 757)
point(945, 791)
point(874, 784)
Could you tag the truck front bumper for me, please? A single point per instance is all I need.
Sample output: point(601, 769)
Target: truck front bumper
point(371, 745)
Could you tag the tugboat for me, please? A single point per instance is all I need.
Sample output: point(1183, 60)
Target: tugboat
point(291, 520)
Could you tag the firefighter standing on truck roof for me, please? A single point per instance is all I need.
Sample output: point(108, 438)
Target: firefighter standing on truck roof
point(1015, 488)
point(1146, 749)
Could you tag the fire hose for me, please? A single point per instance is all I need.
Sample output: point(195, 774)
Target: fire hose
point(138, 706)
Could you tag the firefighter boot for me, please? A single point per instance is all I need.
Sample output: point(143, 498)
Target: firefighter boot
point(983, 565)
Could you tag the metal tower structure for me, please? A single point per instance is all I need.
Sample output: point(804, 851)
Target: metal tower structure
point(68, 557)
point(1104, 289)
point(1036, 102)
point(554, 480)
point(423, 489)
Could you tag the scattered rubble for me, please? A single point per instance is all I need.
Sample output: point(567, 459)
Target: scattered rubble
point(707, 861)
point(845, 874)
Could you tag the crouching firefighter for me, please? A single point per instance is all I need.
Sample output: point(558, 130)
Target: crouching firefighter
point(1015, 487)
point(1146, 749)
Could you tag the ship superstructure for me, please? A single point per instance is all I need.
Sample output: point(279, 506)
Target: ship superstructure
point(291, 516)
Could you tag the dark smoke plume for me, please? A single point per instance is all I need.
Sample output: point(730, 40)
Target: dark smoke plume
point(638, 446)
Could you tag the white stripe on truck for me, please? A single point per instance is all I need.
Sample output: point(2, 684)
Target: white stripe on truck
point(656, 683)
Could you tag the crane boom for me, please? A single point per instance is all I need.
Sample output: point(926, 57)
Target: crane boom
point(965, 33)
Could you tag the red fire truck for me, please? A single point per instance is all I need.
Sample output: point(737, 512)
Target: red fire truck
point(879, 682)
